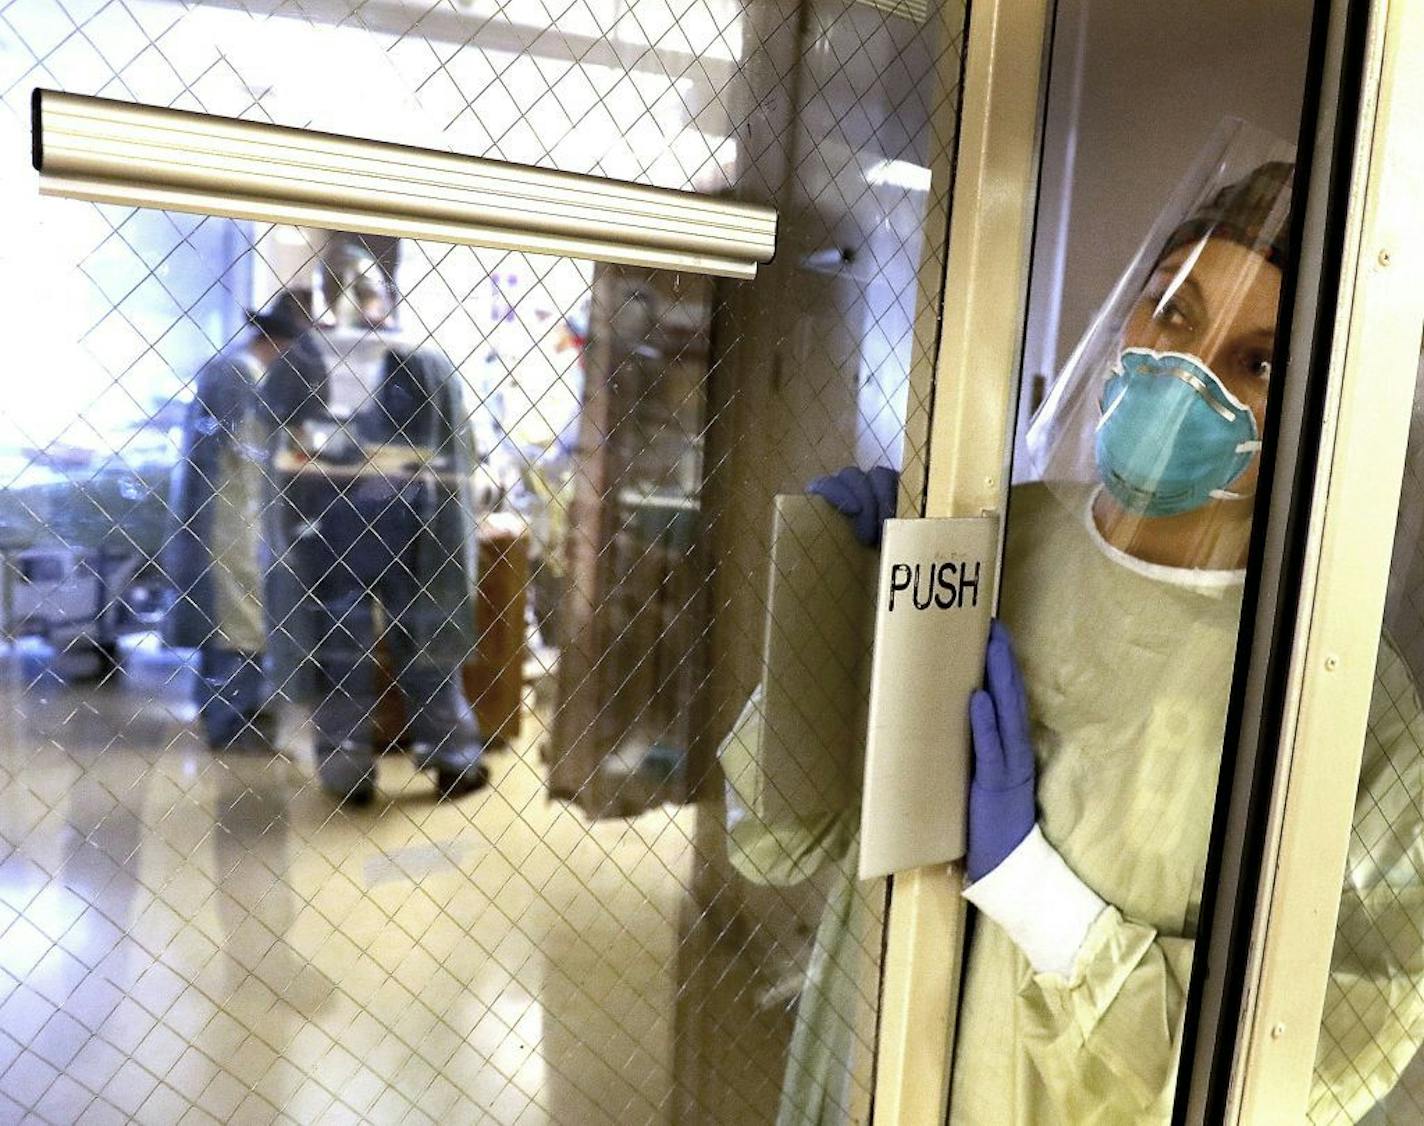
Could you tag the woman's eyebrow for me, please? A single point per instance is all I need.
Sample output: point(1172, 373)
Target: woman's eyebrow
point(1182, 280)
point(1187, 286)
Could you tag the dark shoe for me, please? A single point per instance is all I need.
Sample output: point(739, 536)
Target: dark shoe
point(360, 795)
point(457, 782)
point(458, 769)
point(257, 735)
point(347, 773)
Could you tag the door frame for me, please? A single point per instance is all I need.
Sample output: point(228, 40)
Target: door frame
point(974, 393)
point(1257, 1040)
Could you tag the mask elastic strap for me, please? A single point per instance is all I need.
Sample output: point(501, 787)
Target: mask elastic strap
point(1228, 494)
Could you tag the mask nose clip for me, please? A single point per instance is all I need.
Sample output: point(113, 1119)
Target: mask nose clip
point(1205, 382)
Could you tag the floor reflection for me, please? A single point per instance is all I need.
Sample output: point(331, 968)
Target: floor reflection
point(190, 938)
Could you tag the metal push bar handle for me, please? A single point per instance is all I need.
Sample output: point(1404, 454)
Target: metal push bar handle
point(119, 152)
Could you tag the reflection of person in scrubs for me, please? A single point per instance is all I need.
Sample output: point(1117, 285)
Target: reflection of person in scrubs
point(1098, 742)
point(218, 557)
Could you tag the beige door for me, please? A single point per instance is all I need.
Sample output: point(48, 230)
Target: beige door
point(507, 267)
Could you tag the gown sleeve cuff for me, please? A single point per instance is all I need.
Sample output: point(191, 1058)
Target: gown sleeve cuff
point(1039, 902)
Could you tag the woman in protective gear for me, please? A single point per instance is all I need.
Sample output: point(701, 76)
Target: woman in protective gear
point(1098, 736)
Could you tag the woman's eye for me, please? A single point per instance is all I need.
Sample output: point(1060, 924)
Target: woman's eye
point(1259, 367)
point(1171, 314)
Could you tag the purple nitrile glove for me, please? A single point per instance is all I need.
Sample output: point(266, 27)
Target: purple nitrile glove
point(1001, 793)
point(867, 498)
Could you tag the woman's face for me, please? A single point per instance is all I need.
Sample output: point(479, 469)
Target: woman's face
point(1220, 308)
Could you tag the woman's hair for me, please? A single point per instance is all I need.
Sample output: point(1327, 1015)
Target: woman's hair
point(1254, 211)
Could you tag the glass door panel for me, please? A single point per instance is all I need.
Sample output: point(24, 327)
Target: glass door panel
point(412, 491)
point(1372, 1030)
point(1160, 257)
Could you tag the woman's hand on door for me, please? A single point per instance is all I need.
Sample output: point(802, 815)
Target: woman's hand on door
point(1001, 792)
point(867, 499)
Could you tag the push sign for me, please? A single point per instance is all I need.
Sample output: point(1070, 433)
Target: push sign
point(931, 625)
point(948, 584)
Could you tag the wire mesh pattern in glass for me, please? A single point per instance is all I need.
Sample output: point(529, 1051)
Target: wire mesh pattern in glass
point(375, 610)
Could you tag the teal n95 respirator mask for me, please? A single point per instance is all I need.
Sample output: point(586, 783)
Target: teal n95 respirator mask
point(1171, 437)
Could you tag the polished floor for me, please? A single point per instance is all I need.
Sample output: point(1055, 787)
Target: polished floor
point(186, 939)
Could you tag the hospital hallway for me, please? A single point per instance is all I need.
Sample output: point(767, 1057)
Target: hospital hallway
point(190, 937)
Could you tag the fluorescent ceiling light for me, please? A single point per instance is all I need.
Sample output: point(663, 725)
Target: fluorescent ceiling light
point(900, 174)
point(144, 156)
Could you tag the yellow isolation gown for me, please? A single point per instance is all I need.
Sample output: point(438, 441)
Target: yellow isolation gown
point(1127, 670)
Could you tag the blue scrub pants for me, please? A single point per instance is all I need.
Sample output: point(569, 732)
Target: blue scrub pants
point(364, 550)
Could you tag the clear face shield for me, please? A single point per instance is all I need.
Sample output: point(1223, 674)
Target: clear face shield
point(1156, 419)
